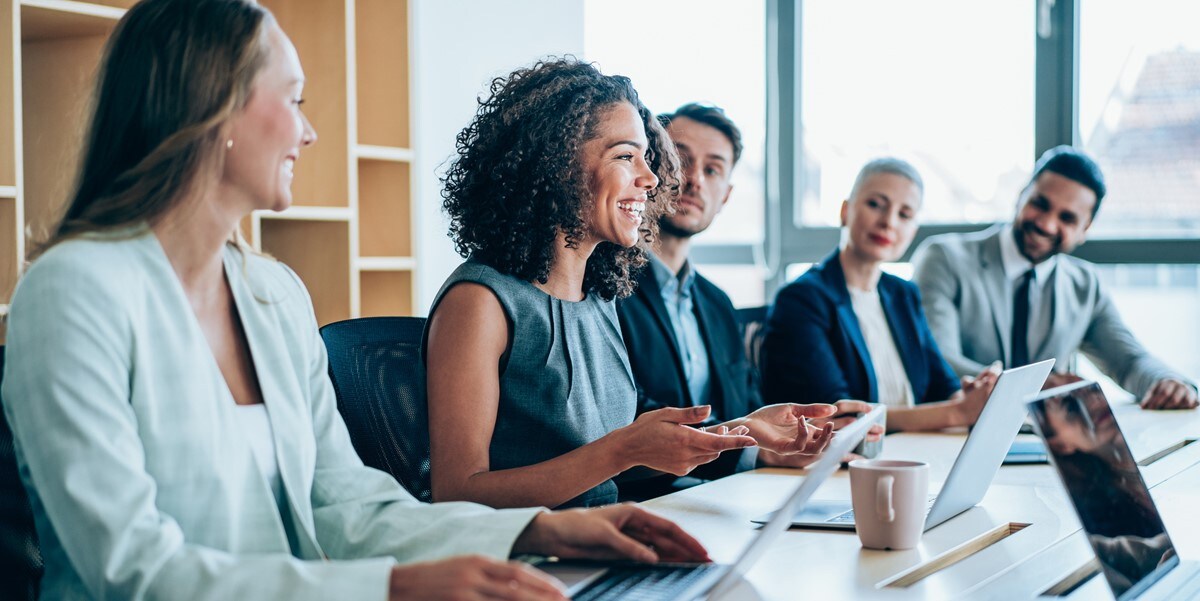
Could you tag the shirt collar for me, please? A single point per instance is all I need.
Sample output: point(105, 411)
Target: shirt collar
point(669, 281)
point(1016, 265)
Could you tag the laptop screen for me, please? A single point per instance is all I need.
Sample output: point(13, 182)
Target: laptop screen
point(1109, 494)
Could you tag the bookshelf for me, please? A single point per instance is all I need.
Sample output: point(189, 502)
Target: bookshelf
point(349, 234)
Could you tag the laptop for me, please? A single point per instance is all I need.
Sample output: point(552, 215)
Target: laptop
point(594, 581)
point(977, 463)
point(1110, 497)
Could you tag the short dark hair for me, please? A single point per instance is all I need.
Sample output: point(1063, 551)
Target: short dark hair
point(712, 116)
point(1075, 165)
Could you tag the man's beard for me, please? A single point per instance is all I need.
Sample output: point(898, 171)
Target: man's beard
point(1027, 227)
point(666, 227)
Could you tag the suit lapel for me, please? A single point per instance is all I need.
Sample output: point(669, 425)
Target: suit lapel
point(999, 291)
point(708, 320)
point(904, 333)
point(652, 295)
point(260, 325)
point(832, 270)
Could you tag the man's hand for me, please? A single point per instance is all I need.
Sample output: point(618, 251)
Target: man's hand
point(848, 411)
point(613, 532)
point(1169, 393)
point(784, 428)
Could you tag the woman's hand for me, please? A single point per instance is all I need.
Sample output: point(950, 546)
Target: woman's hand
point(662, 440)
point(613, 532)
point(973, 396)
point(784, 429)
point(472, 577)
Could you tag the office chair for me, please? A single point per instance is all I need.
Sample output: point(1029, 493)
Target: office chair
point(377, 372)
point(752, 321)
point(20, 554)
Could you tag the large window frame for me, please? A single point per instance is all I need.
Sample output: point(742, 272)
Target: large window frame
point(1056, 108)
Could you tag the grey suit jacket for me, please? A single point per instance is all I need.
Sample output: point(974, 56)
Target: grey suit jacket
point(968, 301)
point(142, 483)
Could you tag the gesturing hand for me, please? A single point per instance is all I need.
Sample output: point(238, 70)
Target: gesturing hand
point(661, 440)
point(472, 577)
point(783, 428)
point(613, 532)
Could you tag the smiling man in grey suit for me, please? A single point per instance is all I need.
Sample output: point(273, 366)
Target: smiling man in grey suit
point(1014, 294)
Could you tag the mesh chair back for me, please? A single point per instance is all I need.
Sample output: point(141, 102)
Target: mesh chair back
point(753, 323)
point(20, 554)
point(375, 364)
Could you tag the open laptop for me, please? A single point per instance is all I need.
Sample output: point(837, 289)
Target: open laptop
point(976, 465)
point(1110, 496)
point(594, 581)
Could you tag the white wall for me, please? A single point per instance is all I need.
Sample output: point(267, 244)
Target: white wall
point(458, 47)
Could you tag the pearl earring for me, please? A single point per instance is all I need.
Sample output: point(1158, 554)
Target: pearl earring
point(229, 144)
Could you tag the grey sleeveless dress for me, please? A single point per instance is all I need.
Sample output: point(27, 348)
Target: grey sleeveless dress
point(565, 380)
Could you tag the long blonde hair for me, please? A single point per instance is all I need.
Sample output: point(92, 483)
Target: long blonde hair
point(172, 75)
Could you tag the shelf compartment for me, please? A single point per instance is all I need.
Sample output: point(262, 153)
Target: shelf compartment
point(381, 50)
point(63, 19)
point(384, 293)
point(319, 252)
point(10, 261)
point(318, 29)
point(384, 209)
point(58, 74)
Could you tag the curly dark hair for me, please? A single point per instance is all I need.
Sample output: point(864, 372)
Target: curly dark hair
point(518, 179)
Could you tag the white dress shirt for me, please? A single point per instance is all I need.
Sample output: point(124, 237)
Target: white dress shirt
point(1041, 297)
point(891, 380)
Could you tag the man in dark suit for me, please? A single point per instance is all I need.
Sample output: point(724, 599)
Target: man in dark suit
point(680, 329)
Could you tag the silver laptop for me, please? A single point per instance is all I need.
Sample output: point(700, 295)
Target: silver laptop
point(1114, 505)
point(593, 581)
point(976, 465)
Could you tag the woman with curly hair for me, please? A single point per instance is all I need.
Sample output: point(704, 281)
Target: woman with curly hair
point(531, 398)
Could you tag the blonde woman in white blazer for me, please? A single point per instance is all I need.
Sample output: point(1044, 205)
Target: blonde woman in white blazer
point(167, 389)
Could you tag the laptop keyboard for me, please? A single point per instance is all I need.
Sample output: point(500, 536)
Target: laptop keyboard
point(644, 583)
point(848, 517)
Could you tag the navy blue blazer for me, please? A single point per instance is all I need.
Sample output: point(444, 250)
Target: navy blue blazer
point(815, 351)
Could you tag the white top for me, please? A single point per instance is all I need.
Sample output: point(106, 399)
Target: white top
point(890, 378)
point(256, 425)
point(1041, 303)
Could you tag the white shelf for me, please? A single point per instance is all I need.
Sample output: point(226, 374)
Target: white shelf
point(309, 213)
point(385, 263)
point(384, 153)
point(78, 8)
point(8, 191)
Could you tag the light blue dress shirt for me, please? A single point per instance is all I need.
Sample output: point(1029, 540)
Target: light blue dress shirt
point(693, 353)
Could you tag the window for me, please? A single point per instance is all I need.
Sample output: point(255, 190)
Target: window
point(944, 84)
point(1139, 113)
point(708, 51)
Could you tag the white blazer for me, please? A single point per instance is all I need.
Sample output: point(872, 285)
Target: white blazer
point(141, 481)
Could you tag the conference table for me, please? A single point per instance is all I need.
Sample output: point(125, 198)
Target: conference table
point(1022, 541)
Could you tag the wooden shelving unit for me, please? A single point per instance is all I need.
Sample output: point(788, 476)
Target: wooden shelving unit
point(349, 233)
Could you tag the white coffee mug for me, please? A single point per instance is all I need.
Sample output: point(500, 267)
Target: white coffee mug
point(890, 498)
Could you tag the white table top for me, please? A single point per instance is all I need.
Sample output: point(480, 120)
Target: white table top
point(814, 564)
